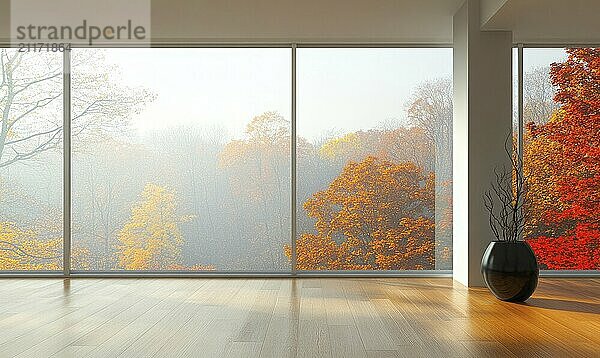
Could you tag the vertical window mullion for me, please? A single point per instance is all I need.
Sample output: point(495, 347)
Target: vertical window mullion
point(67, 163)
point(294, 161)
point(520, 108)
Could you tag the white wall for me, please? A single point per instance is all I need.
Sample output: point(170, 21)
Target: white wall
point(482, 120)
point(489, 8)
point(460, 144)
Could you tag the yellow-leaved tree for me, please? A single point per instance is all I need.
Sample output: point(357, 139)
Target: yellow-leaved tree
point(22, 250)
point(151, 239)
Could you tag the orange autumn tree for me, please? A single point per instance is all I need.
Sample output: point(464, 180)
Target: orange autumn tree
point(542, 167)
point(571, 140)
point(376, 215)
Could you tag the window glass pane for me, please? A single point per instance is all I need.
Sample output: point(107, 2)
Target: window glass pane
point(374, 159)
point(30, 160)
point(561, 156)
point(183, 162)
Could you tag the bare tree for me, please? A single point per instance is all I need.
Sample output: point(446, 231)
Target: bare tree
point(538, 96)
point(31, 106)
point(430, 108)
point(31, 116)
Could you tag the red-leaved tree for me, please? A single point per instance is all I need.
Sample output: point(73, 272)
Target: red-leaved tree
point(574, 134)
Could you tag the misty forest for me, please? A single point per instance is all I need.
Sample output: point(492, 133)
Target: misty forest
point(191, 197)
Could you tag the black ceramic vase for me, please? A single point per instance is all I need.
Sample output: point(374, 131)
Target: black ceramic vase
point(510, 270)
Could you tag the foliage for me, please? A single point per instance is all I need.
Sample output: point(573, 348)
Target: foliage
point(430, 111)
point(258, 169)
point(374, 215)
point(104, 192)
point(31, 132)
point(564, 157)
point(22, 250)
point(260, 158)
point(542, 168)
point(579, 251)
point(397, 144)
point(577, 131)
point(30, 102)
point(332, 148)
point(368, 196)
point(151, 239)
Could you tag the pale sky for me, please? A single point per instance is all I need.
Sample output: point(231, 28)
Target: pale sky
point(339, 89)
point(207, 87)
point(532, 59)
point(342, 89)
point(360, 88)
point(538, 57)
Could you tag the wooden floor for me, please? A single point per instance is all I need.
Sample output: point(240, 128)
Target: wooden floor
point(293, 318)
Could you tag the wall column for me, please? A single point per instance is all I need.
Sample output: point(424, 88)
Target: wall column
point(482, 120)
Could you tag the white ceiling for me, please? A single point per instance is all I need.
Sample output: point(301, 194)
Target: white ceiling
point(545, 21)
point(425, 21)
point(407, 21)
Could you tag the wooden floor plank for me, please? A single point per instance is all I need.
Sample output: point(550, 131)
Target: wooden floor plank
point(312, 317)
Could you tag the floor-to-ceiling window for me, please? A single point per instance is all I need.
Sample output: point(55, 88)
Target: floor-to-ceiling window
point(374, 158)
point(181, 159)
point(31, 188)
point(184, 160)
point(561, 156)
